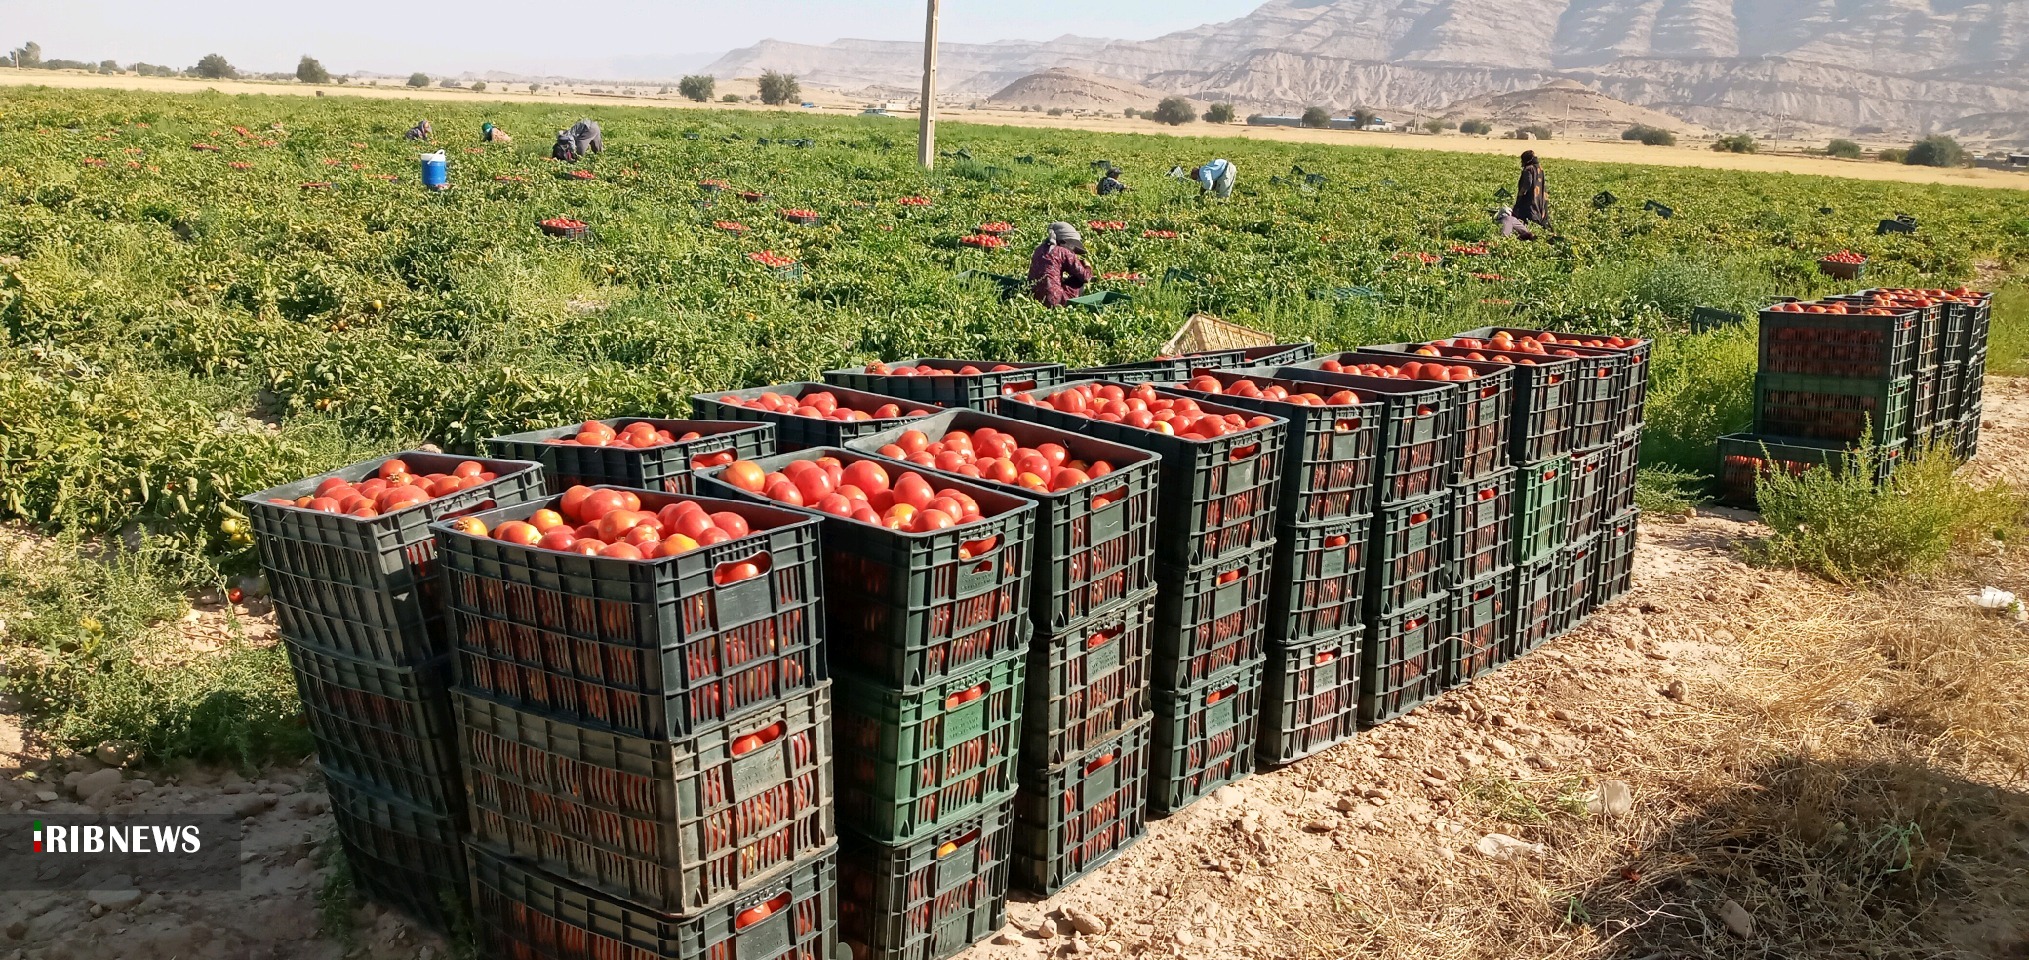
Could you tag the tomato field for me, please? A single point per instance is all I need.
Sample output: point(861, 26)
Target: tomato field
point(207, 295)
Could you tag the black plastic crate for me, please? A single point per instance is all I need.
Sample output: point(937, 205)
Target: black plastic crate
point(1483, 525)
point(1966, 439)
point(1591, 476)
point(1543, 390)
point(1209, 618)
point(1481, 625)
point(1319, 587)
point(1541, 587)
point(368, 587)
point(928, 899)
point(1592, 379)
point(1620, 484)
point(523, 913)
point(910, 609)
point(793, 432)
point(1616, 558)
point(1419, 430)
point(1088, 684)
point(1095, 543)
point(1839, 345)
point(1952, 385)
point(1410, 560)
point(1487, 406)
point(1204, 737)
point(976, 391)
point(1542, 508)
point(1405, 661)
point(401, 855)
point(1744, 458)
point(1974, 318)
point(657, 648)
point(667, 468)
point(1929, 321)
point(1634, 371)
point(674, 825)
point(1215, 497)
point(1310, 694)
point(1923, 406)
point(1828, 408)
point(1076, 817)
point(383, 726)
point(1330, 455)
point(913, 763)
point(1162, 371)
point(1581, 570)
point(1274, 355)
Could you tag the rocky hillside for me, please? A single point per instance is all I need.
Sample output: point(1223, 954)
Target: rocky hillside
point(1766, 65)
point(1073, 90)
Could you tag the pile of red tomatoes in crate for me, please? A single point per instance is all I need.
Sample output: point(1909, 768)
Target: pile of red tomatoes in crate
point(392, 488)
point(821, 405)
point(1141, 407)
point(988, 454)
point(1275, 392)
point(639, 435)
point(1408, 370)
point(611, 524)
point(864, 491)
point(925, 370)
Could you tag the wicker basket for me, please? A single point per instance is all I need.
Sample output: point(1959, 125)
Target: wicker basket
point(1204, 332)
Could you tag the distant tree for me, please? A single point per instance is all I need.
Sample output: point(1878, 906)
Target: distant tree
point(1534, 131)
point(419, 79)
point(1219, 113)
point(1936, 150)
point(28, 56)
point(450, 84)
point(1843, 149)
point(1737, 143)
point(1653, 136)
point(1892, 155)
point(109, 66)
point(1175, 111)
point(779, 88)
point(308, 70)
point(1476, 127)
point(1434, 126)
point(1363, 118)
point(663, 92)
point(1056, 111)
point(478, 86)
point(535, 88)
point(1255, 118)
point(1317, 118)
point(698, 87)
point(215, 67)
point(732, 98)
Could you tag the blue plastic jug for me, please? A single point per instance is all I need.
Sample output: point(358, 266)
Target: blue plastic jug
point(436, 171)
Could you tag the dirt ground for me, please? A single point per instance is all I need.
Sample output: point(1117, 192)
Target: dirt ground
point(1598, 151)
point(1604, 797)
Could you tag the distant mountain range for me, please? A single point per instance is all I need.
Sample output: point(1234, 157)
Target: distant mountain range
point(1905, 66)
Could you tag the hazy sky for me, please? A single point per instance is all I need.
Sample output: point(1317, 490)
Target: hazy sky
point(387, 36)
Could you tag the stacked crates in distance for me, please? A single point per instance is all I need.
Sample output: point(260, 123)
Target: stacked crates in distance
point(1317, 583)
point(1085, 719)
point(1835, 375)
point(928, 634)
point(647, 743)
point(1215, 543)
point(1969, 313)
point(353, 569)
point(592, 453)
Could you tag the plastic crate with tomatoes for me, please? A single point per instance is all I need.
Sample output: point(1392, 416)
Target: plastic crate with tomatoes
point(522, 911)
point(952, 384)
point(1204, 737)
point(925, 575)
point(1542, 509)
point(1838, 339)
point(1095, 501)
point(1591, 480)
point(1480, 627)
point(1076, 817)
point(653, 614)
point(914, 762)
point(351, 560)
point(1420, 431)
point(639, 453)
point(1538, 605)
point(1162, 370)
point(809, 415)
point(1333, 438)
point(1088, 684)
point(1537, 407)
point(383, 726)
point(1745, 458)
point(1319, 587)
point(1211, 617)
point(1634, 380)
point(1221, 465)
point(930, 898)
point(1581, 563)
point(1410, 560)
point(400, 854)
point(1600, 378)
point(1483, 525)
point(1406, 660)
point(676, 825)
point(1833, 408)
point(1616, 558)
point(1488, 407)
point(1310, 693)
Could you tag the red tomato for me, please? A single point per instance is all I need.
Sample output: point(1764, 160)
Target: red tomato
point(515, 531)
point(732, 523)
point(744, 474)
point(622, 551)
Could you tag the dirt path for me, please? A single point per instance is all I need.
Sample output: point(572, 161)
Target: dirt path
point(1594, 151)
point(1604, 797)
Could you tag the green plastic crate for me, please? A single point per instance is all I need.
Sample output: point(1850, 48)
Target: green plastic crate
point(1481, 623)
point(1744, 458)
point(1329, 457)
point(1210, 617)
point(1076, 817)
point(1420, 429)
point(1829, 408)
point(1542, 509)
point(1310, 697)
point(912, 763)
point(1404, 662)
point(1410, 560)
point(1483, 525)
point(1489, 406)
point(1088, 684)
point(1538, 606)
point(1319, 587)
point(1204, 737)
point(931, 898)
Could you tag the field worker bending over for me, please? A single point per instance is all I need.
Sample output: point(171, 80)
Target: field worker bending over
point(1111, 183)
point(1216, 178)
point(1532, 200)
point(488, 133)
point(1057, 271)
point(421, 131)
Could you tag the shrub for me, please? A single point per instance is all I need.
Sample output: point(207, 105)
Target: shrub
point(1219, 113)
point(731, 98)
point(1534, 131)
point(1437, 126)
point(697, 87)
point(1056, 111)
point(1843, 149)
point(308, 70)
point(109, 66)
point(1737, 143)
point(478, 86)
point(1363, 118)
point(1842, 526)
point(1317, 118)
point(214, 67)
point(1891, 155)
point(1652, 136)
point(1174, 111)
point(1936, 150)
point(419, 79)
point(780, 88)
point(1476, 128)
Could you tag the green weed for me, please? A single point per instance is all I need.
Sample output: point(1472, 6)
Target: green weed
point(2008, 338)
point(1666, 491)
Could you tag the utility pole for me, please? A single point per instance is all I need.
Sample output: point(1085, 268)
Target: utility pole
point(927, 153)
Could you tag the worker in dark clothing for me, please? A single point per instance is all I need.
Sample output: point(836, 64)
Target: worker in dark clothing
point(421, 131)
point(1532, 200)
point(582, 139)
point(1057, 271)
point(1111, 183)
